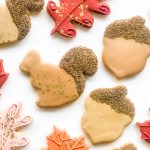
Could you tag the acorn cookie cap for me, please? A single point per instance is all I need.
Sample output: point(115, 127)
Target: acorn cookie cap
point(116, 98)
point(133, 28)
point(79, 62)
point(129, 146)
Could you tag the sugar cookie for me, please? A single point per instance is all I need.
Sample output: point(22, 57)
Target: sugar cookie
point(10, 122)
point(59, 139)
point(60, 85)
point(129, 146)
point(77, 11)
point(126, 46)
point(107, 113)
point(15, 20)
point(3, 74)
point(145, 130)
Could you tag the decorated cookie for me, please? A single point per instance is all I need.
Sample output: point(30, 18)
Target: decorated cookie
point(60, 140)
point(129, 146)
point(74, 10)
point(126, 46)
point(58, 85)
point(3, 75)
point(15, 19)
point(145, 130)
point(107, 113)
point(10, 122)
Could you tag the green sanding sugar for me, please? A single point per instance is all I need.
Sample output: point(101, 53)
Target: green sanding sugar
point(133, 28)
point(79, 62)
point(116, 98)
point(20, 11)
point(129, 146)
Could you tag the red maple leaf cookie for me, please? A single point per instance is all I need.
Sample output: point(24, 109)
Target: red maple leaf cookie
point(145, 130)
point(3, 75)
point(74, 10)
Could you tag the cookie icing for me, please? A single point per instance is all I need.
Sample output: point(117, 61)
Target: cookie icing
point(10, 122)
point(74, 10)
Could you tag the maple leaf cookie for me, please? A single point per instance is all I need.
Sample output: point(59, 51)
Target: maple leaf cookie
point(10, 122)
point(77, 11)
point(60, 140)
point(145, 130)
point(126, 46)
point(58, 85)
point(3, 74)
point(107, 112)
point(15, 20)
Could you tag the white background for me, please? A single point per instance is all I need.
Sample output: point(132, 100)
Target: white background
point(52, 48)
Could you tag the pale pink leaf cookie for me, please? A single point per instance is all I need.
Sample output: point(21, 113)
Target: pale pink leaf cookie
point(10, 122)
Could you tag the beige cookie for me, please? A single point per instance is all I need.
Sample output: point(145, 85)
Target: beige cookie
point(60, 85)
point(126, 46)
point(107, 113)
point(128, 146)
point(15, 20)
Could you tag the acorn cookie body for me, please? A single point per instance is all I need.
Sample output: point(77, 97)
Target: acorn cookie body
point(126, 46)
point(60, 85)
point(15, 20)
point(107, 112)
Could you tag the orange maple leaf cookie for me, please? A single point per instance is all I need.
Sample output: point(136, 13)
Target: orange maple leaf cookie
point(60, 140)
point(15, 19)
point(126, 46)
point(58, 85)
point(107, 112)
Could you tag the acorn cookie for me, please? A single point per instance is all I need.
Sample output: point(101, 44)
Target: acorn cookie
point(58, 85)
point(15, 20)
point(107, 113)
point(128, 146)
point(126, 46)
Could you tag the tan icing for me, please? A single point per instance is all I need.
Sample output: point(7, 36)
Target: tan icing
point(101, 123)
point(8, 29)
point(55, 86)
point(124, 57)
